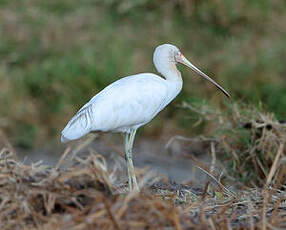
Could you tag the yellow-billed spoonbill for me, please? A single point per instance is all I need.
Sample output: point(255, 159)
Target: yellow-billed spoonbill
point(133, 101)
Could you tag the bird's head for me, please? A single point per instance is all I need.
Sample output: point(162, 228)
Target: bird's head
point(166, 57)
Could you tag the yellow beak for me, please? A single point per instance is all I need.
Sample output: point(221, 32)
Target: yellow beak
point(181, 59)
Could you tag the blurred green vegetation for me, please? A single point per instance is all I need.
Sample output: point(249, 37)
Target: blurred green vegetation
point(56, 54)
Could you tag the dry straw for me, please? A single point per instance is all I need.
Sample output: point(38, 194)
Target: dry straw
point(84, 195)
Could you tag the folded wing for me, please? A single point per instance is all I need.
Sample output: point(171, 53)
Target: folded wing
point(129, 102)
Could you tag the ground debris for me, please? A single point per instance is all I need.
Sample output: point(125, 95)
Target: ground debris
point(84, 197)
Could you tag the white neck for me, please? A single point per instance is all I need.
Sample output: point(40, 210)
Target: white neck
point(168, 69)
point(173, 77)
point(165, 63)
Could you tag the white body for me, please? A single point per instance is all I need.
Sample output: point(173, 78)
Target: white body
point(131, 102)
point(126, 104)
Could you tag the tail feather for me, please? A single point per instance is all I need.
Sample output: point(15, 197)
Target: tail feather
point(64, 139)
point(78, 126)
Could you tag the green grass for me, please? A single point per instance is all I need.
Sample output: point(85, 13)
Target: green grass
point(55, 55)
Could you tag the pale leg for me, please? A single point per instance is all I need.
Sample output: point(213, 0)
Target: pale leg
point(131, 173)
point(126, 158)
point(134, 181)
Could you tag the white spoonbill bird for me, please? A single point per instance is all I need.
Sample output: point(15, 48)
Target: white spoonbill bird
point(133, 101)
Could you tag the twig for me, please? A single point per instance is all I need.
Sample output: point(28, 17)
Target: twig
point(220, 184)
point(83, 145)
point(213, 157)
point(268, 181)
point(67, 150)
point(112, 217)
point(274, 165)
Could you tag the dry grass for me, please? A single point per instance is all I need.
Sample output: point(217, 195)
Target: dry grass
point(249, 140)
point(87, 195)
point(84, 197)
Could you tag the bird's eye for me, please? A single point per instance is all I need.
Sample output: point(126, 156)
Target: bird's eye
point(177, 55)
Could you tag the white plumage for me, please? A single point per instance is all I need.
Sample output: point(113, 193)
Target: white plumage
point(131, 102)
point(124, 105)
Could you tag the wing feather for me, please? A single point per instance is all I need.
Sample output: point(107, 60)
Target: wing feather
point(130, 101)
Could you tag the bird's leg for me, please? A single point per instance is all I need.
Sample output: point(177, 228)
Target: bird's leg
point(130, 168)
point(131, 141)
point(127, 161)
